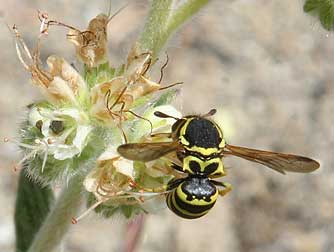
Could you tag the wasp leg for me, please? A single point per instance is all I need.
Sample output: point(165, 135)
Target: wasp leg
point(227, 187)
point(174, 183)
point(162, 189)
point(168, 135)
point(177, 167)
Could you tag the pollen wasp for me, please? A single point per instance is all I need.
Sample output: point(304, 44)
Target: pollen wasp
point(200, 146)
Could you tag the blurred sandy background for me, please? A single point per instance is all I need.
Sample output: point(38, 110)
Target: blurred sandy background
point(269, 70)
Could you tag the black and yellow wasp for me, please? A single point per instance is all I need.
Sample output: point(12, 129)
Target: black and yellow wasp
point(200, 146)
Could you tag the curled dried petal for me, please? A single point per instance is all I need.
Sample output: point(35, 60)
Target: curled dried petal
point(91, 45)
point(59, 67)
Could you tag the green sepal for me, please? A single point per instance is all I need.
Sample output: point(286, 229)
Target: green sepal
point(120, 70)
point(145, 179)
point(109, 209)
point(131, 211)
point(100, 74)
point(33, 203)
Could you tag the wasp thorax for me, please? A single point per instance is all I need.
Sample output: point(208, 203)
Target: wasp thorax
point(202, 133)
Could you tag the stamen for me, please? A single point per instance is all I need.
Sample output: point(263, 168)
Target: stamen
point(43, 17)
point(75, 220)
point(45, 154)
point(42, 145)
point(171, 85)
point(132, 183)
point(141, 194)
point(50, 141)
point(21, 47)
point(162, 68)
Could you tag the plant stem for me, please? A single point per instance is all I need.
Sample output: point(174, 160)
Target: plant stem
point(153, 35)
point(59, 219)
point(183, 13)
point(164, 19)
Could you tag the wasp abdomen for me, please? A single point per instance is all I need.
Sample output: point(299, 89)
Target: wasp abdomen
point(193, 198)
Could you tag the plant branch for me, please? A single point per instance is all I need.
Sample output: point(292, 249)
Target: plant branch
point(183, 13)
point(58, 221)
point(153, 35)
point(165, 17)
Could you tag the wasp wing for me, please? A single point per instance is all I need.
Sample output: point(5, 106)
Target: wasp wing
point(277, 161)
point(146, 151)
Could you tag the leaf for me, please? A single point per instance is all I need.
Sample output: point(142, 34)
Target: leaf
point(324, 9)
point(33, 203)
point(99, 74)
point(311, 5)
point(131, 211)
point(326, 13)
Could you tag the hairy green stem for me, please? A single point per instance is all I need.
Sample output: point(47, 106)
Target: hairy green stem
point(59, 219)
point(183, 13)
point(164, 18)
point(153, 35)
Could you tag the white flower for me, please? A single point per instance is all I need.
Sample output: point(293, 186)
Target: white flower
point(111, 176)
point(64, 131)
point(160, 125)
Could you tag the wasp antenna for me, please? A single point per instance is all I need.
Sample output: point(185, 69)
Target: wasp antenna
point(210, 113)
point(163, 67)
point(163, 115)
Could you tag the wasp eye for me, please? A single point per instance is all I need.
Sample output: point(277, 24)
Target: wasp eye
point(57, 126)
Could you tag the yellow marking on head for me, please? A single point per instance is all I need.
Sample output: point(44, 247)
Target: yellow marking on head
point(222, 143)
point(183, 131)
